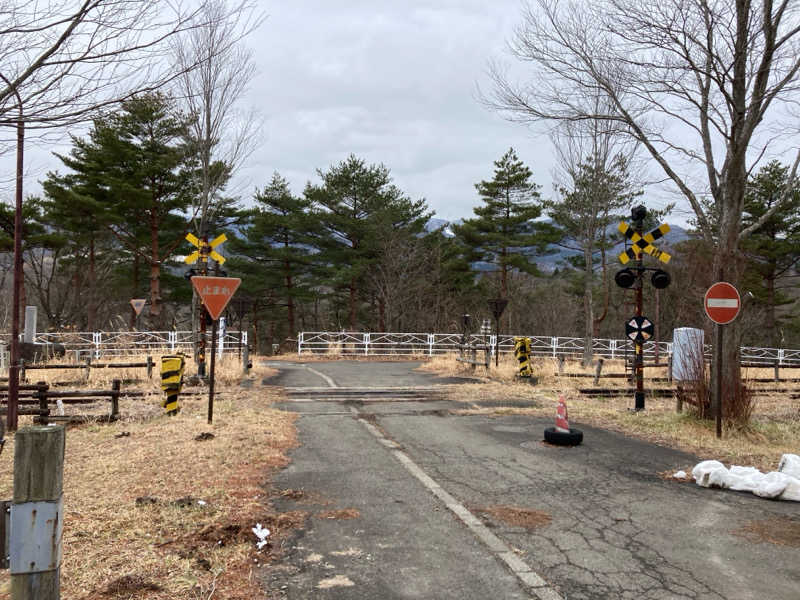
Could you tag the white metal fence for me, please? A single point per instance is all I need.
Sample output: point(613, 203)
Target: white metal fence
point(429, 344)
point(113, 343)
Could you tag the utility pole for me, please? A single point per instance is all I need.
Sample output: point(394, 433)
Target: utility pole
point(13, 370)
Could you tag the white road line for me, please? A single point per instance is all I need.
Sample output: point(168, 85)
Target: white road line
point(328, 380)
point(529, 578)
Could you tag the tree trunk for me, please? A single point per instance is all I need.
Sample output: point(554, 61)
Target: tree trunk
point(289, 299)
point(155, 267)
point(381, 314)
point(588, 310)
point(91, 301)
point(729, 266)
point(135, 288)
point(352, 305)
point(769, 318)
point(606, 293)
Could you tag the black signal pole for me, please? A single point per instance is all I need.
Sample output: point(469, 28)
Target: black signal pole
point(638, 214)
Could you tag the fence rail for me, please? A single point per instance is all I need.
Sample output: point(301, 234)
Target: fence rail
point(115, 343)
point(354, 343)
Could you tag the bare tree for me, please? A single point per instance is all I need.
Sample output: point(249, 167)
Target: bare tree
point(222, 136)
point(594, 184)
point(66, 60)
point(696, 82)
point(216, 70)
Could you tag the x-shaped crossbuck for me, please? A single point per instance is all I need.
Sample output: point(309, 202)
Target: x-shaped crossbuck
point(202, 252)
point(644, 243)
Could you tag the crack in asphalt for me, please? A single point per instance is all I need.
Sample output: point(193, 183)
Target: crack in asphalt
point(597, 554)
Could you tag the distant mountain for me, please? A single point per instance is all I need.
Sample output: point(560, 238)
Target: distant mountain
point(560, 256)
point(443, 224)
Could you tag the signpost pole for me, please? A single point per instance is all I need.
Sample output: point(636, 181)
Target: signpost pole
point(211, 376)
point(718, 381)
point(722, 304)
point(201, 340)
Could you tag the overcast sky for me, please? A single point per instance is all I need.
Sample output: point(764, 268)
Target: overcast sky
point(391, 82)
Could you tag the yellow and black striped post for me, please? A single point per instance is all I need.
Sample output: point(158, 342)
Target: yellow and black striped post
point(522, 350)
point(171, 381)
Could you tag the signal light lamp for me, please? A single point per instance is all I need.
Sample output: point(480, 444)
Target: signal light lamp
point(625, 278)
point(660, 279)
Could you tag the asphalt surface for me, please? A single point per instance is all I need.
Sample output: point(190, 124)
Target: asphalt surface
point(418, 485)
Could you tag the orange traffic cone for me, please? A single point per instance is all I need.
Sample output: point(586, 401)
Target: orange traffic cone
point(562, 422)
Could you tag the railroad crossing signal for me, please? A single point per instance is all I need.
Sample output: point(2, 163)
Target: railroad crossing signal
point(639, 329)
point(204, 249)
point(643, 243)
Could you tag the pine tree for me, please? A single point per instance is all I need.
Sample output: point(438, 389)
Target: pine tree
point(504, 231)
point(589, 203)
point(276, 247)
point(773, 249)
point(356, 204)
point(133, 177)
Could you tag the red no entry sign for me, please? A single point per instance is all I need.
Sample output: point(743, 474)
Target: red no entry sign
point(722, 302)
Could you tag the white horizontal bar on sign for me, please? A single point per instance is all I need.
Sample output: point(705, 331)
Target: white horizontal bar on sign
point(723, 302)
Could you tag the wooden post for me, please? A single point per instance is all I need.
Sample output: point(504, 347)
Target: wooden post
point(245, 354)
point(777, 371)
point(560, 365)
point(669, 369)
point(115, 387)
point(149, 367)
point(38, 478)
point(88, 365)
point(44, 409)
point(598, 370)
point(21, 369)
point(679, 399)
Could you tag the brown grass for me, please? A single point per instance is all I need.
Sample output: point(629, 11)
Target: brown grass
point(773, 430)
point(341, 514)
point(171, 546)
point(516, 516)
point(781, 531)
point(228, 370)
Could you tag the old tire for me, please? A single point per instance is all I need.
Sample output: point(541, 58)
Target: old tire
point(559, 438)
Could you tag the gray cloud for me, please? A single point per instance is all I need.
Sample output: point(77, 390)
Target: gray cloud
point(393, 83)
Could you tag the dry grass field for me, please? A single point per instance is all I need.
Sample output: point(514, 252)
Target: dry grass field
point(160, 507)
point(773, 430)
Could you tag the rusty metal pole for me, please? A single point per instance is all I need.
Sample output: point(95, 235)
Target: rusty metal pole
point(13, 370)
point(201, 342)
point(211, 376)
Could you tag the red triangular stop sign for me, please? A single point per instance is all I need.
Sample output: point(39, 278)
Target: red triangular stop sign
point(216, 292)
point(138, 305)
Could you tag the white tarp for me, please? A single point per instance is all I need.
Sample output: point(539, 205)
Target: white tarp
point(783, 484)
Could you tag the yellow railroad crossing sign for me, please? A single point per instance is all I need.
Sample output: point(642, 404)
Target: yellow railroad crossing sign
point(644, 243)
point(204, 250)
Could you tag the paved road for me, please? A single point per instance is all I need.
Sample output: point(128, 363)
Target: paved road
point(428, 489)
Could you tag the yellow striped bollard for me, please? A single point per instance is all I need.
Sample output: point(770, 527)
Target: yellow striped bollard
point(171, 381)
